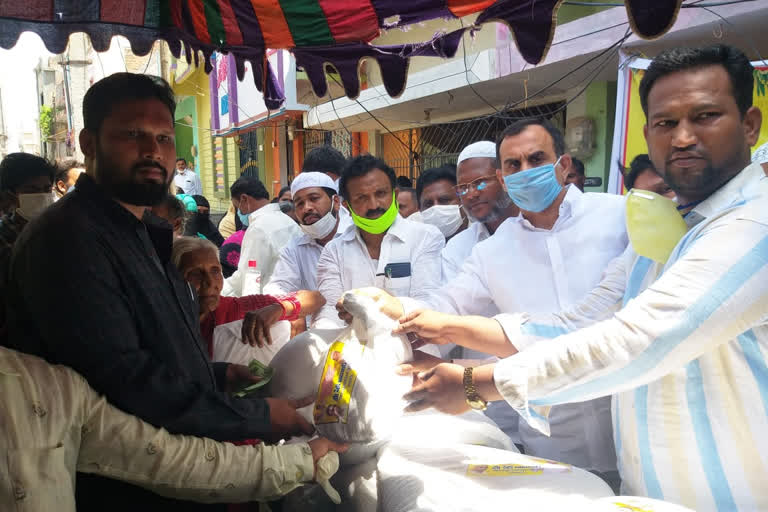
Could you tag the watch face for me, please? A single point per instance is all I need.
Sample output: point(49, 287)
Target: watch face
point(477, 405)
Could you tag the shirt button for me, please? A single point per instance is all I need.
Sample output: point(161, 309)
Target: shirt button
point(210, 455)
point(39, 410)
point(19, 492)
point(151, 449)
point(299, 475)
point(307, 450)
point(229, 486)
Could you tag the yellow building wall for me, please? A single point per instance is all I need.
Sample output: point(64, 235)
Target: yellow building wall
point(196, 84)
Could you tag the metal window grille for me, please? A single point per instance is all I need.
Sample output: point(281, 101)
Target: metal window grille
point(430, 146)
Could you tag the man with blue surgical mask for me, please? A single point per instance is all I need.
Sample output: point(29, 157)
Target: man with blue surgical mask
point(268, 231)
point(545, 259)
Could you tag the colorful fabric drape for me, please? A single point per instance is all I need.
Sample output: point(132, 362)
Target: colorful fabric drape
point(317, 31)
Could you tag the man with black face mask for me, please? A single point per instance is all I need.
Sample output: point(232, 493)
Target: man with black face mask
point(126, 320)
point(199, 222)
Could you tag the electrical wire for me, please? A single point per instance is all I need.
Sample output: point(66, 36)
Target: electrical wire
point(374, 118)
point(466, 69)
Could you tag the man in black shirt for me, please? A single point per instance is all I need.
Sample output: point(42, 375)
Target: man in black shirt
point(125, 318)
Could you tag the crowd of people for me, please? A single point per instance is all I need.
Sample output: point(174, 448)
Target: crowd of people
point(544, 306)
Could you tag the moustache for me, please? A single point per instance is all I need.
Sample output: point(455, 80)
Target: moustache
point(312, 215)
point(372, 214)
point(148, 163)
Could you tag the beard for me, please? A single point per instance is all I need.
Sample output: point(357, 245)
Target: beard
point(502, 203)
point(127, 186)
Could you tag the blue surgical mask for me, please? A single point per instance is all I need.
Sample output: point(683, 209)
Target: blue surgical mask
point(243, 217)
point(534, 190)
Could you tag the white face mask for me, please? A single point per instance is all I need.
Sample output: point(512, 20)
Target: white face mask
point(445, 217)
point(321, 228)
point(32, 205)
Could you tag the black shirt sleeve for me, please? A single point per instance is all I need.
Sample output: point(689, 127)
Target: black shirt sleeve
point(68, 304)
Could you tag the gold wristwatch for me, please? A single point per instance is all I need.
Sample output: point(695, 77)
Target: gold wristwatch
point(473, 399)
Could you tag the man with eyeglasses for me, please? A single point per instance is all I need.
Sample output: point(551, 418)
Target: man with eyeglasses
point(485, 202)
point(545, 259)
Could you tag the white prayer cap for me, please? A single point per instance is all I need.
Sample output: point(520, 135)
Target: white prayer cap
point(482, 149)
point(312, 179)
point(760, 156)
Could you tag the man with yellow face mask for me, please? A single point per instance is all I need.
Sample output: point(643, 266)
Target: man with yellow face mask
point(676, 332)
point(381, 248)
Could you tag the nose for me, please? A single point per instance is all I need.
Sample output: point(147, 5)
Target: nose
point(683, 135)
point(149, 147)
point(205, 282)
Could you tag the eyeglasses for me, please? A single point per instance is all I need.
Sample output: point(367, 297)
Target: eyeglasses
point(479, 184)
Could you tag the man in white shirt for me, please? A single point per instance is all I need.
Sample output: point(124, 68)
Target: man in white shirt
point(321, 218)
point(438, 202)
point(381, 249)
point(484, 200)
point(681, 341)
point(187, 179)
point(546, 259)
point(269, 230)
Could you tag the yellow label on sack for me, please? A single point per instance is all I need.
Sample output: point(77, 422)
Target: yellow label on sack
point(335, 389)
point(536, 467)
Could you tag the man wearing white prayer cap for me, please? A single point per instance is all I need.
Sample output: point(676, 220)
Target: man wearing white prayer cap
point(485, 202)
point(321, 217)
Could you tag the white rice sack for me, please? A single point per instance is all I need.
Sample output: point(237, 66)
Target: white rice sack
point(228, 346)
point(351, 372)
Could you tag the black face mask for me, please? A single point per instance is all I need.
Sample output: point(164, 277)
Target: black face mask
point(204, 215)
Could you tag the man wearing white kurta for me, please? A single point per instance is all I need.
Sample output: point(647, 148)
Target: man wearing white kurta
point(187, 179)
point(544, 260)
point(269, 230)
point(381, 248)
point(679, 336)
point(321, 218)
point(484, 200)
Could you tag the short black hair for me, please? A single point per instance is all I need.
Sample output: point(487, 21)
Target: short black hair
point(17, 168)
point(578, 166)
point(201, 201)
point(283, 191)
point(411, 191)
point(674, 60)
point(324, 159)
point(176, 209)
point(404, 182)
point(249, 186)
point(639, 164)
point(118, 88)
point(181, 159)
point(362, 165)
point(63, 168)
point(516, 128)
point(433, 175)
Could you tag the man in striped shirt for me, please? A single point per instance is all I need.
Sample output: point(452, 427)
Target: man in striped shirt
point(682, 346)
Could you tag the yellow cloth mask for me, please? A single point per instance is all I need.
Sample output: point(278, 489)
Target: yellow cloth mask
point(654, 224)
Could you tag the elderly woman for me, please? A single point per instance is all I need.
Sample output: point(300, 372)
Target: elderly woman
point(198, 261)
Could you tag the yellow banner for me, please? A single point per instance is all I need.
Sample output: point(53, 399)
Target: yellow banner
point(634, 142)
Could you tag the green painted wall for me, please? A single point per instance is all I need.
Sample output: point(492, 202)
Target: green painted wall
point(600, 106)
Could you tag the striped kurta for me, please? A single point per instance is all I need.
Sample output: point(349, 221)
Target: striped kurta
point(683, 349)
